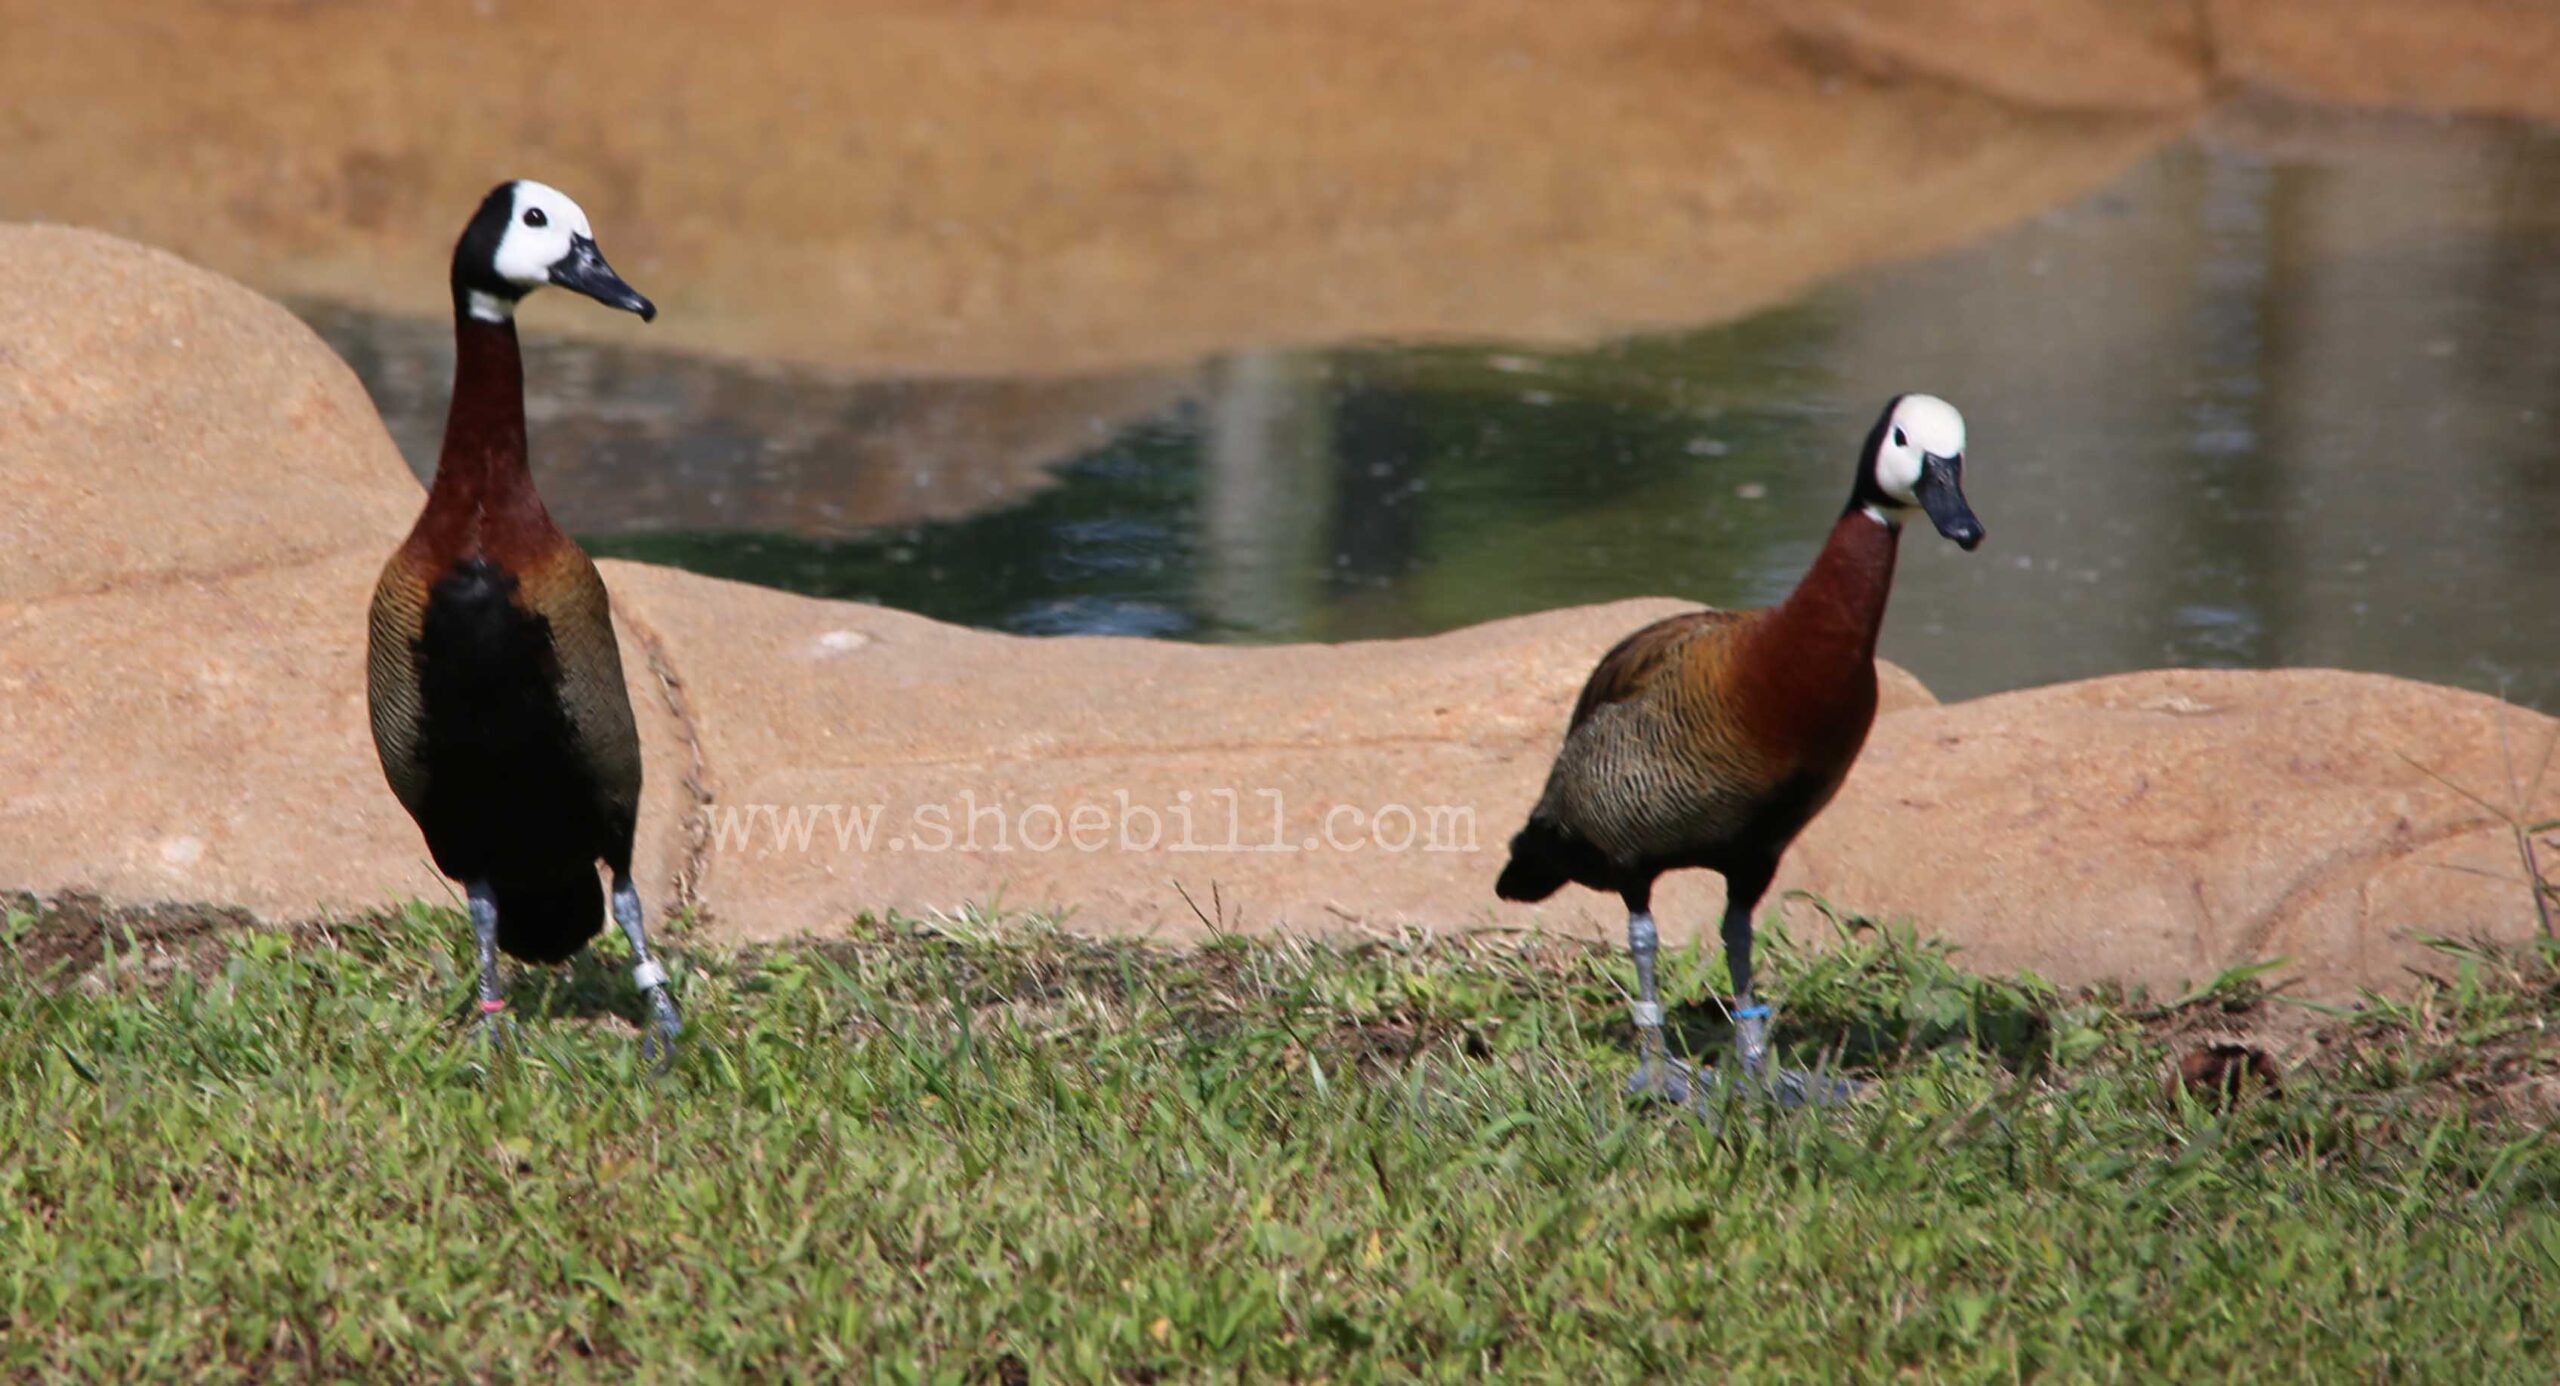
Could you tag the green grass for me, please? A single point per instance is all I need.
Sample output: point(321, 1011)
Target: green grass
point(1003, 1153)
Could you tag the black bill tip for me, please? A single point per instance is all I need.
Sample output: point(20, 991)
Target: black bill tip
point(584, 270)
point(1941, 493)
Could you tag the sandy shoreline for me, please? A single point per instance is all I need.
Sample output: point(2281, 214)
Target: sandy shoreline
point(1058, 187)
point(1073, 185)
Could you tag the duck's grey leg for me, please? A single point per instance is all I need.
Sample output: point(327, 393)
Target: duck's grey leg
point(1750, 1018)
point(1786, 1086)
point(1657, 1073)
point(658, 1042)
point(484, 927)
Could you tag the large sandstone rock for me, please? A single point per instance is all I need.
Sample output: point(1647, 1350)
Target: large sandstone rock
point(2150, 829)
point(2160, 827)
point(862, 759)
point(200, 500)
point(159, 424)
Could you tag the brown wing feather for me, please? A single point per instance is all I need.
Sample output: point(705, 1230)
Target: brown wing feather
point(1636, 663)
point(1656, 767)
point(392, 695)
point(569, 593)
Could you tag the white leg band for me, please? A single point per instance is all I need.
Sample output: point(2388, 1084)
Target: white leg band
point(1647, 1013)
point(648, 976)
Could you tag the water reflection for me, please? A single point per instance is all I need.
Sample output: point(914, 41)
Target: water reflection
point(633, 441)
point(2273, 398)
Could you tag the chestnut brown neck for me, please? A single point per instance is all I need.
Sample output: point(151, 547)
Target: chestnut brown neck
point(483, 483)
point(1837, 609)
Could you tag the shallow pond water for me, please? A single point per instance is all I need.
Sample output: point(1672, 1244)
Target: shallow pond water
point(2272, 398)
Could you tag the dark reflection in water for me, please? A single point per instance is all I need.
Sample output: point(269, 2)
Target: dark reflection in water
point(2273, 398)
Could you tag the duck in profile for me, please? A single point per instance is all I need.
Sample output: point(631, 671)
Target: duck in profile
point(499, 712)
point(1710, 739)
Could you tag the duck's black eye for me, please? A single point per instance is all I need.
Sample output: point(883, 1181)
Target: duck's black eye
point(533, 216)
point(1898, 440)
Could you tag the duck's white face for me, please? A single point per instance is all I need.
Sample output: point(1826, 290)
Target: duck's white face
point(1922, 427)
point(545, 228)
point(1914, 456)
point(528, 234)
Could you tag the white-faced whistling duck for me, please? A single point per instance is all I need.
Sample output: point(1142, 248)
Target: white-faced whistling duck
point(1710, 739)
point(495, 684)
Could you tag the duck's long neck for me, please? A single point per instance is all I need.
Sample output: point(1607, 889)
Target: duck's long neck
point(1838, 607)
point(482, 470)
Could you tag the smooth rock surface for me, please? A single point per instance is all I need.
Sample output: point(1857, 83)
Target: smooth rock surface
point(1370, 785)
point(2162, 826)
point(159, 423)
point(204, 740)
point(2151, 828)
point(201, 499)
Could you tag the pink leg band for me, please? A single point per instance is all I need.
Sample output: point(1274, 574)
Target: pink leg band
point(492, 1007)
